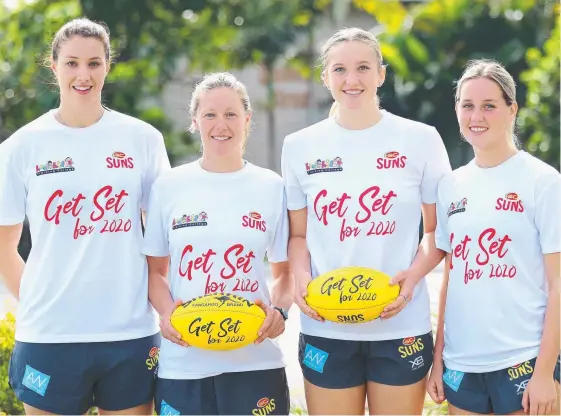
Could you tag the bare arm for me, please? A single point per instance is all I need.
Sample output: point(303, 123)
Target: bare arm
point(435, 386)
point(282, 292)
point(158, 286)
point(299, 259)
point(550, 345)
point(541, 394)
point(11, 263)
point(143, 217)
point(282, 295)
point(439, 343)
point(160, 297)
point(298, 254)
point(428, 256)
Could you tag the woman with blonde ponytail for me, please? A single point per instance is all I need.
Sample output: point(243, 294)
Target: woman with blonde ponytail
point(499, 224)
point(357, 184)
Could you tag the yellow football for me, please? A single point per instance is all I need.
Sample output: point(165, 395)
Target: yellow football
point(351, 294)
point(218, 321)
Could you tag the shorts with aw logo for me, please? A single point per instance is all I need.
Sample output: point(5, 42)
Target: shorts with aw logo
point(339, 364)
point(69, 378)
point(498, 392)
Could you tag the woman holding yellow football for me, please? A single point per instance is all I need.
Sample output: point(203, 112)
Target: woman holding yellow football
point(497, 345)
point(357, 184)
point(210, 224)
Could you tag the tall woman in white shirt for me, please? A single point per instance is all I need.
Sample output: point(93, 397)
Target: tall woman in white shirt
point(357, 185)
point(81, 173)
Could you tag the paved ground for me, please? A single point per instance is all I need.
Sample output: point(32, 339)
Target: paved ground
point(288, 341)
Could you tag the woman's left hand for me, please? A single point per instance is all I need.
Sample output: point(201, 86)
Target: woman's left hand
point(273, 326)
point(405, 281)
point(540, 395)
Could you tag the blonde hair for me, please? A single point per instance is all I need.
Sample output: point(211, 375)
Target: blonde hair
point(349, 35)
point(217, 80)
point(494, 71)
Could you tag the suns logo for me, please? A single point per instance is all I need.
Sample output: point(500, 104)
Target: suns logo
point(152, 359)
point(327, 165)
point(119, 160)
point(253, 220)
point(410, 346)
point(456, 207)
point(264, 407)
point(391, 160)
point(510, 202)
point(192, 220)
point(65, 165)
point(519, 370)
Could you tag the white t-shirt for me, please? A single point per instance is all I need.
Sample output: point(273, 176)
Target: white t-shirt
point(217, 229)
point(363, 190)
point(82, 190)
point(498, 223)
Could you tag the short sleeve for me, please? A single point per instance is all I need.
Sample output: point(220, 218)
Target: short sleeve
point(442, 236)
point(547, 215)
point(13, 193)
point(277, 250)
point(295, 197)
point(158, 162)
point(155, 242)
point(436, 166)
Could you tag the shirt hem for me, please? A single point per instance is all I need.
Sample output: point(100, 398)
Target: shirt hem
point(280, 259)
point(369, 336)
point(487, 368)
point(177, 375)
point(153, 253)
point(443, 247)
point(78, 338)
point(296, 207)
point(10, 221)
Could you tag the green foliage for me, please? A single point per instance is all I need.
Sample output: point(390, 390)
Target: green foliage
point(9, 404)
point(25, 92)
point(435, 41)
point(145, 62)
point(539, 120)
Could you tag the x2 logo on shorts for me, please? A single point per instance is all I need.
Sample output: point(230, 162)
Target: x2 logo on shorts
point(521, 388)
point(417, 363)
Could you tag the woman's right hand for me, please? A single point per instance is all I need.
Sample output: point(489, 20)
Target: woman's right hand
point(435, 385)
point(167, 330)
point(300, 292)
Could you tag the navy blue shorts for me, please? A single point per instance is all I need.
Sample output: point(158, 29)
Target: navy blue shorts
point(70, 378)
point(261, 393)
point(498, 392)
point(339, 364)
